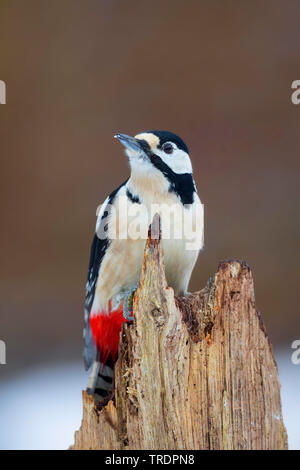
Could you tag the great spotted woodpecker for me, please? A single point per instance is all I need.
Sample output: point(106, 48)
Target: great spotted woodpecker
point(161, 181)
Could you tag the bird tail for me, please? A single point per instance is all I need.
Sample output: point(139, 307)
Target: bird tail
point(106, 329)
point(101, 381)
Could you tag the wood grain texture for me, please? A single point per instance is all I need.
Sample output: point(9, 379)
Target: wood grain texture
point(196, 372)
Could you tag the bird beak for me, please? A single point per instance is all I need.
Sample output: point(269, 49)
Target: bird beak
point(130, 143)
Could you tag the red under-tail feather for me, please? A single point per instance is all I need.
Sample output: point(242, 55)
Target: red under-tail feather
point(106, 330)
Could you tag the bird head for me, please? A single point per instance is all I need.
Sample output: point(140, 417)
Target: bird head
point(157, 150)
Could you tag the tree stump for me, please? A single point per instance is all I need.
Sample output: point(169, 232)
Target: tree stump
point(195, 372)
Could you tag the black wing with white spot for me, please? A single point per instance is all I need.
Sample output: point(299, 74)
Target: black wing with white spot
point(98, 250)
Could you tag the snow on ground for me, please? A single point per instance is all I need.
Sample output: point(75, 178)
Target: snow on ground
point(41, 409)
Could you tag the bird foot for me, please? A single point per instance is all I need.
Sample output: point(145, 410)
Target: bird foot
point(128, 304)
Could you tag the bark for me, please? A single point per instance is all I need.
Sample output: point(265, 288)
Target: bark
point(195, 372)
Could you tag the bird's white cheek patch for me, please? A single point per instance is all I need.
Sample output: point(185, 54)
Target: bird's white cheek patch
point(178, 161)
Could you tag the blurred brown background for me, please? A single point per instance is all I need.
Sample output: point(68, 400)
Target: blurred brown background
point(218, 73)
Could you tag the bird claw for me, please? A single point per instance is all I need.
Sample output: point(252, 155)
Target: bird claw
point(128, 304)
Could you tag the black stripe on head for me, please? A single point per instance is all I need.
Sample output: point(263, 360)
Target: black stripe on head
point(144, 145)
point(180, 183)
point(166, 136)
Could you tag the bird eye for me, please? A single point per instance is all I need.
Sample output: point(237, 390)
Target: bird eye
point(168, 148)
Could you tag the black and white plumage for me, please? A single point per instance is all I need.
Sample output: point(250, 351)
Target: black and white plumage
point(98, 249)
point(161, 176)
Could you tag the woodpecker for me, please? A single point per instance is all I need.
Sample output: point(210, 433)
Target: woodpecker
point(161, 178)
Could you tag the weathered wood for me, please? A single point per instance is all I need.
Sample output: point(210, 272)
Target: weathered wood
point(193, 373)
